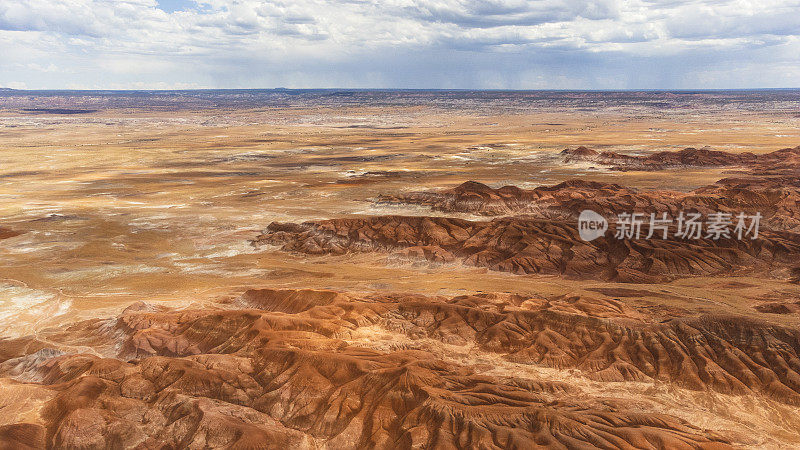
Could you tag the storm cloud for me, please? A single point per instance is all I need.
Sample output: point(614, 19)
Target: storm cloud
point(608, 44)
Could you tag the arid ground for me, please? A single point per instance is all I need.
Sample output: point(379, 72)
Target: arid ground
point(311, 271)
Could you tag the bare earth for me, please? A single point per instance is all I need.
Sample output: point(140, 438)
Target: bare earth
point(318, 276)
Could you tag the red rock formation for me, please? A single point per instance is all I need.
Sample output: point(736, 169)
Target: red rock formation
point(579, 154)
point(775, 198)
point(688, 157)
point(281, 373)
point(524, 245)
point(22, 436)
point(478, 198)
point(779, 307)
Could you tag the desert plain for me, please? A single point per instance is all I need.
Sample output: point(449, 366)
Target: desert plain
point(326, 269)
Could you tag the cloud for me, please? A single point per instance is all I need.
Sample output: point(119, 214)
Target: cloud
point(492, 13)
point(14, 85)
point(400, 43)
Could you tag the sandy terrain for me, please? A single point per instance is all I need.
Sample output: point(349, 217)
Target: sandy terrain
point(104, 209)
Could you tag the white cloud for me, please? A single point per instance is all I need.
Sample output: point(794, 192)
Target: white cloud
point(14, 85)
point(404, 43)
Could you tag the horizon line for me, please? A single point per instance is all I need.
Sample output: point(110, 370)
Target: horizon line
point(6, 89)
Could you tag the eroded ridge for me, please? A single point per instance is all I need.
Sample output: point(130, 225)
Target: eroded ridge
point(687, 158)
point(526, 245)
point(281, 367)
point(775, 198)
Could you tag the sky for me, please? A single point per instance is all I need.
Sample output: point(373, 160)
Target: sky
point(441, 44)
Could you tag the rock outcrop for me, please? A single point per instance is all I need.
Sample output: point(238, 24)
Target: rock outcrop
point(525, 245)
point(775, 198)
point(688, 157)
point(288, 369)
